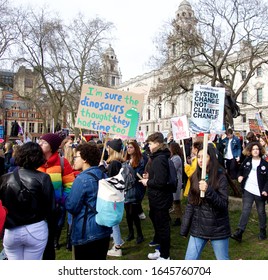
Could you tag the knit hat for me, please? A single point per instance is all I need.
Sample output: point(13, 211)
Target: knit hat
point(53, 139)
point(116, 144)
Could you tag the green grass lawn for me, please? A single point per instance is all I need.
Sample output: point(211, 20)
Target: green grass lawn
point(250, 248)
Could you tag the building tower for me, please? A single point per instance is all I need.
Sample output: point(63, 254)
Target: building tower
point(111, 76)
point(183, 38)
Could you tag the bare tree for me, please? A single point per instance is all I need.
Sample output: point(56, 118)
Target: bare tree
point(8, 32)
point(65, 57)
point(78, 59)
point(222, 40)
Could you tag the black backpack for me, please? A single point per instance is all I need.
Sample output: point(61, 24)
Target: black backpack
point(172, 177)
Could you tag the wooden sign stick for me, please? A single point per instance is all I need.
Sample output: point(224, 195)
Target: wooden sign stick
point(204, 161)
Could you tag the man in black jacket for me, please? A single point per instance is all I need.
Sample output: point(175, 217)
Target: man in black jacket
point(159, 195)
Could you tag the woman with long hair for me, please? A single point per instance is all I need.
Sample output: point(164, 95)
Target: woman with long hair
point(134, 196)
point(206, 218)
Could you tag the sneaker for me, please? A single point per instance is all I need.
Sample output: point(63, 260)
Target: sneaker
point(154, 256)
point(114, 252)
point(153, 244)
point(142, 216)
point(163, 259)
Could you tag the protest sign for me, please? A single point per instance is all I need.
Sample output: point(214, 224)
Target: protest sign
point(260, 123)
point(254, 126)
point(109, 110)
point(207, 109)
point(180, 128)
point(207, 116)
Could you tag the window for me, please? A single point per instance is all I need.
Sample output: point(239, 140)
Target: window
point(40, 128)
point(113, 80)
point(28, 83)
point(147, 128)
point(244, 96)
point(259, 71)
point(159, 112)
point(148, 114)
point(31, 127)
point(244, 75)
point(172, 108)
point(244, 118)
point(174, 49)
point(259, 95)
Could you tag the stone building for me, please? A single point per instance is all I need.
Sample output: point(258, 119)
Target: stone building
point(158, 109)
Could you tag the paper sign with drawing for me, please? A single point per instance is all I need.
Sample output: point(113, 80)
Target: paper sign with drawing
point(109, 110)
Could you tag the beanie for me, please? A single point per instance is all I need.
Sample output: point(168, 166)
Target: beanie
point(116, 144)
point(53, 139)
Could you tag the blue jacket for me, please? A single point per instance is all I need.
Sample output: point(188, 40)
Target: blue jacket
point(84, 192)
point(235, 146)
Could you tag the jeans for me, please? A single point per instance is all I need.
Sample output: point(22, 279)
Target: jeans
point(247, 200)
point(26, 242)
point(117, 235)
point(196, 246)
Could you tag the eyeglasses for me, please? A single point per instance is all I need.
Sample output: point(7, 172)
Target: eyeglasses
point(75, 157)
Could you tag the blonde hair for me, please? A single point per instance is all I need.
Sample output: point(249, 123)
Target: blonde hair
point(69, 154)
point(114, 155)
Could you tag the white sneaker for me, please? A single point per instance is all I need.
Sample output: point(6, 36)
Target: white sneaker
point(114, 252)
point(154, 256)
point(142, 216)
point(162, 259)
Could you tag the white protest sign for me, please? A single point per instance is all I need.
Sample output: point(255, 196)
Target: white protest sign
point(180, 128)
point(207, 109)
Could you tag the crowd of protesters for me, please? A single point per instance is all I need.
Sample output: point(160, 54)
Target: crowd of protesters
point(57, 171)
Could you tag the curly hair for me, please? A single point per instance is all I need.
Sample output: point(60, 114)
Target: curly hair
point(89, 152)
point(29, 155)
point(247, 151)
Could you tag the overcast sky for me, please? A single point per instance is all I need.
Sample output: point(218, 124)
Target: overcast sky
point(137, 23)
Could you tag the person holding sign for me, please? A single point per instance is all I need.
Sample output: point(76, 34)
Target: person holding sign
point(206, 218)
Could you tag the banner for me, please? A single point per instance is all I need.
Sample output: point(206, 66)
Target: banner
point(180, 128)
point(109, 110)
point(207, 109)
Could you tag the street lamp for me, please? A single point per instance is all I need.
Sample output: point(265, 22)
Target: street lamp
point(159, 106)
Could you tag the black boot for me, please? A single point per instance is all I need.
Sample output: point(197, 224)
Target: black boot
point(130, 236)
point(57, 239)
point(140, 239)
point(262, 235)
point(237, 235)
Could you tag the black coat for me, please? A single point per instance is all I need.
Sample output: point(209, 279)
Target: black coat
point(159, 194)
point(210, 219)
point(262, 173)
point(40, 186)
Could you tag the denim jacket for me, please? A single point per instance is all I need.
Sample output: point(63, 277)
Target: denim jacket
point(235, 146)
point(84, 192)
